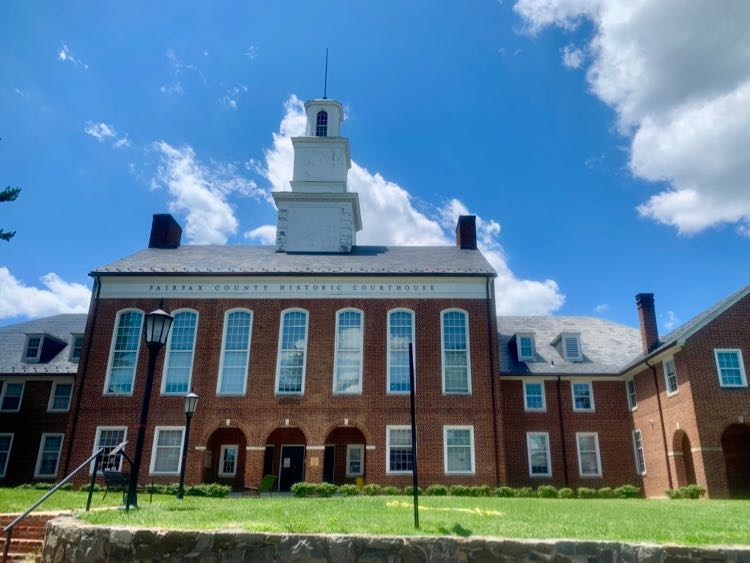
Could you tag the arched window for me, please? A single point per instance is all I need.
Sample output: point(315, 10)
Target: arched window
point(124, 353)
point(290, 371)
point(235, 352)
point(178, 364)
point(400, 335)
point(347, 376)
point(321, 124)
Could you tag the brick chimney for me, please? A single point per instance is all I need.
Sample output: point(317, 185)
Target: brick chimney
point(165, 232)
point(466, 232)
point(647, 318)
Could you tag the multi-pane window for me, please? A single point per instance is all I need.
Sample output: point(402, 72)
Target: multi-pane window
point(60, 397)
point(640, 462)
point(533, 396)
point(538, 450)
point(459, 449)
point(235, 353)
point(632, 400)
point(583, 396)
point(228, 461)
point(730, 367)
point(10, 397)
point(6, 441)
point(348, 362)
point(355, 455)
point(49, 455)
point(571, 346)
point(167, 450)
point(109, 438)
point(178, 364)
point(76, 348)
point(400, 335)
point(398, 449)
point(321, 124)
point(124, 354)
point(290, 373)
point(33, 349)
point(589, 463)
point(456, 373)
point(525, 347)
point(670, 376)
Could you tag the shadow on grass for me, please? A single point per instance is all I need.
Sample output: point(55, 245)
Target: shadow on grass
point(456, 530)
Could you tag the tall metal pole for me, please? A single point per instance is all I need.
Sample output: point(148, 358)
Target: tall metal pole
point(412, 394)
point(181, 490)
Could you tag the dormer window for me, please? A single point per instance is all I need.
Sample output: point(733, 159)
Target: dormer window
point(321, 124)
point(525, 344)
point(76, 347)
point(571, 347)
point(33, 349)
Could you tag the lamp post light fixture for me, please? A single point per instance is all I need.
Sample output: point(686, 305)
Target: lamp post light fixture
point(191, 403)
point(158, 324)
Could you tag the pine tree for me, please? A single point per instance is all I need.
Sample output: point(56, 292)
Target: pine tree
point(8, 194)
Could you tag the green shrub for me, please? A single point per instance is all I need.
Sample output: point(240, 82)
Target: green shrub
point(546, 491)
point(409, 490)
point(326, 489)
point(348, 490)
point(436, 491)
point(688, 492)
point(371, 490)
point(389, 490)
point(566, 492)
point(586, 492)
point(605, 492)
point(303, 489)
point(525, 492)
point(505, 492)
point(213, 490)
point(480, 491)
point(627, 491)
point(460, 491)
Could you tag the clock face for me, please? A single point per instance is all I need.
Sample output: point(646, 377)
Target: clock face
point(319, 163)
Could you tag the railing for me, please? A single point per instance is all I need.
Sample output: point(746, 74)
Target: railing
point(8, 530)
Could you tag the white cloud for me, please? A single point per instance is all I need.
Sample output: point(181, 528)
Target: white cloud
point(391, 217)
point(100, 131)
point(179, 66)
point(572, 56)
point(66, 55)
point(172, 89)
point(252, 52)
point(266, 234)
point(57, 296)
point(202, 193)
point(670, 320)
point(122, 142)
point(677, 74)
point(601, 308)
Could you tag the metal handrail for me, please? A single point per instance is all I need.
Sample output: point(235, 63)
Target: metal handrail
point(8, 530)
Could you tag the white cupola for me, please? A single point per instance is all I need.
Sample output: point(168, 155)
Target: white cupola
point(319, 214)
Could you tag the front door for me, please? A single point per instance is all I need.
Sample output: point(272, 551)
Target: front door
point(291, 466)
point(329, 463)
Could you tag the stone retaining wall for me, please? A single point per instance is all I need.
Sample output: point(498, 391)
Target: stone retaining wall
point(69, 539)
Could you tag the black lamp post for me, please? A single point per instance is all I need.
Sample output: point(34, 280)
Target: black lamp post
point(158, 324)
point(191, 403)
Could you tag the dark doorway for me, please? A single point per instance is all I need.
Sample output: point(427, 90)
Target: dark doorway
point(291, 466)
point(268, 461)
point(735, 443)
point(329, 463)
point(687, 456)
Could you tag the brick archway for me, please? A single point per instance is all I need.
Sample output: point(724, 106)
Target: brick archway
point(345, 451)
point(683, 459)
point(224, 458)
point(735, 443)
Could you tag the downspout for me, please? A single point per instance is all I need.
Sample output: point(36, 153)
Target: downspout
point(82, 369)
point(566, 479)
point(491, 342)
point(661, 421)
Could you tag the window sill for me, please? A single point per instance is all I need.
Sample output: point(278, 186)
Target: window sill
point(673, 393)
point(584, 410)
point(534, 410)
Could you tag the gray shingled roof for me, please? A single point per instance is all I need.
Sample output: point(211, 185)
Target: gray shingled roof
point(366, 260)
point(13, 340)
point(606, 346)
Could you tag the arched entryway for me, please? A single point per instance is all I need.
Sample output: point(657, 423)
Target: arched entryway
point(224, 458)
point(683, 459)
point(285, 457)
point(735, 443)
point(344, 458)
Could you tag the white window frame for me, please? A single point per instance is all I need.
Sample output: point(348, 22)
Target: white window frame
point(220, 377)
point(51, 402)
point(739, 361)
point(361, 351)
point(45, 435)
point(442, 350)
point(521, 356)
point(470, 428)
point(530, 435)
point(388, 349)
point(304, 354)
point(168, 354)
point(566, 356)
point(224, 448)
point(3, 470)
point(361, 448)
point(632, 403)
point(74, 336)
point(590, 384)
point(112, 353)
point(4, 391)
point(32, 359)
point(664, 365)
point(152, 465)
point(642, 458)
point(97, 436)
point(580, 435)
point(526, 406)
point(388, 447)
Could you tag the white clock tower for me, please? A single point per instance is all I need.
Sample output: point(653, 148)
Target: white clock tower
point(319, 214)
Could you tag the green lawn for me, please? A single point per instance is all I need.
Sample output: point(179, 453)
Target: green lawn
point(18, 500)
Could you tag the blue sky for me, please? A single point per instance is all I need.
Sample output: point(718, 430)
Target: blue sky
point(603, 145)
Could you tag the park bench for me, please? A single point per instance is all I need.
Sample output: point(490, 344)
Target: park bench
point(116, 481)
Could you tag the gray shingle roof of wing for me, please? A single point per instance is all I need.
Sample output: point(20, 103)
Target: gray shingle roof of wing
point(367, 260)
point(13, 340)
point(607, 346)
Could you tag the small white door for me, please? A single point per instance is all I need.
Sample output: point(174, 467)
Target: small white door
point(228, 461)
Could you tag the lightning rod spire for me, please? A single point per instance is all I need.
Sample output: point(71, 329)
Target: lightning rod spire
point(325, 81)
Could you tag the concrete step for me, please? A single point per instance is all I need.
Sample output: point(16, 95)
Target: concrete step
point(22, 545)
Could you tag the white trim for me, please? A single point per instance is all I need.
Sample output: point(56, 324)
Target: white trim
point(470, 428)
point(32, 359)
point(220, 376)
point(521, 357)
point(739, 361)
point(5, 389)
point(664, 363)
point(304, 353)
point(591, 395)
point(97, 437)
point(112, 352)
point(361, 448)
point(529, 435)
point(370, 447)
point(361, 350)
point(46, 435)
point(580, 435)
point(442, 350)
point(168, 355)
point(635, 451)
point(224, 448)
point(315, 448)
point(155, 444)
point(388, 429)
point(388, 349)
point(4, 470)
point(51, 401)
point(577, 337)
point(255, 448)
point(526, 407)
point(568, 377)
point(632, 405)
point(75, 335)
